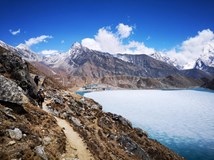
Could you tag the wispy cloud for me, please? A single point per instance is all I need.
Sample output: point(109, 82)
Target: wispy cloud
point(14, 32)
point(33, 41)
point(62, 41)
point(36, 40)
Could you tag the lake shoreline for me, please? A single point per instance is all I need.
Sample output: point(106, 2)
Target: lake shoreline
point(189, 113)
point(82, 91)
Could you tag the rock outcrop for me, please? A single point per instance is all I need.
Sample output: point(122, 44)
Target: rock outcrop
point(11, 92)
point(14, 67)
point(172, 81)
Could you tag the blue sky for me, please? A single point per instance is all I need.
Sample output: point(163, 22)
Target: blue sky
point(159, 24)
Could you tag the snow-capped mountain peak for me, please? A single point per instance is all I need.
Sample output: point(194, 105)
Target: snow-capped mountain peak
point(199, 64)
point(76, 45)
point(164, 58)
point(206, 59)
point(23, 47)
point(77, 49)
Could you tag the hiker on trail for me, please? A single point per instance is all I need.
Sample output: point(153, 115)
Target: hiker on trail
point(36, 80)
point(40, 97)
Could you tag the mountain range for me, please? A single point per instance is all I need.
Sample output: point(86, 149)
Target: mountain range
point(81, 65)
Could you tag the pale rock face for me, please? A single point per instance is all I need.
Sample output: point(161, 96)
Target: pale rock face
point(41, 152)
point(15, 134)
point(11, 92)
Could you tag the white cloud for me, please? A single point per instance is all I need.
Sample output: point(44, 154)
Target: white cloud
point(192, 48)
point(135, 47)
point(104, 41)
point(107, 41)
point(48, 53)
point(91, 43)
point(33, 41)
point(37, 40)
point(14, 32)
point(124, 30)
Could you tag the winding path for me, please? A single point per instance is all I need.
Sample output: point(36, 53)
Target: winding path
point(75, 147)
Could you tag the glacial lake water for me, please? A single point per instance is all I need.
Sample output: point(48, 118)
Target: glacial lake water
point(183, 120)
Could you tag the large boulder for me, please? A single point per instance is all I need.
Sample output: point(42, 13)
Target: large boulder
point(11, 92)
point(14, 67)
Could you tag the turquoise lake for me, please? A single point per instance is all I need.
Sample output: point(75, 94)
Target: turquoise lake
point(183, 120)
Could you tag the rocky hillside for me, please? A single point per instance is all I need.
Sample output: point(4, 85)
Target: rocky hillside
point(108, 136)
point(197, 74)
point(153, 67)
point(172, 81)
point(28, 132)
point(209, 84)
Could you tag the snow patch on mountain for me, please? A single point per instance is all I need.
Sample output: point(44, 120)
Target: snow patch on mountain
point(162, 57)
point(6, 46)
point(22, 50)
point(65, 60)
point(206, 59)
